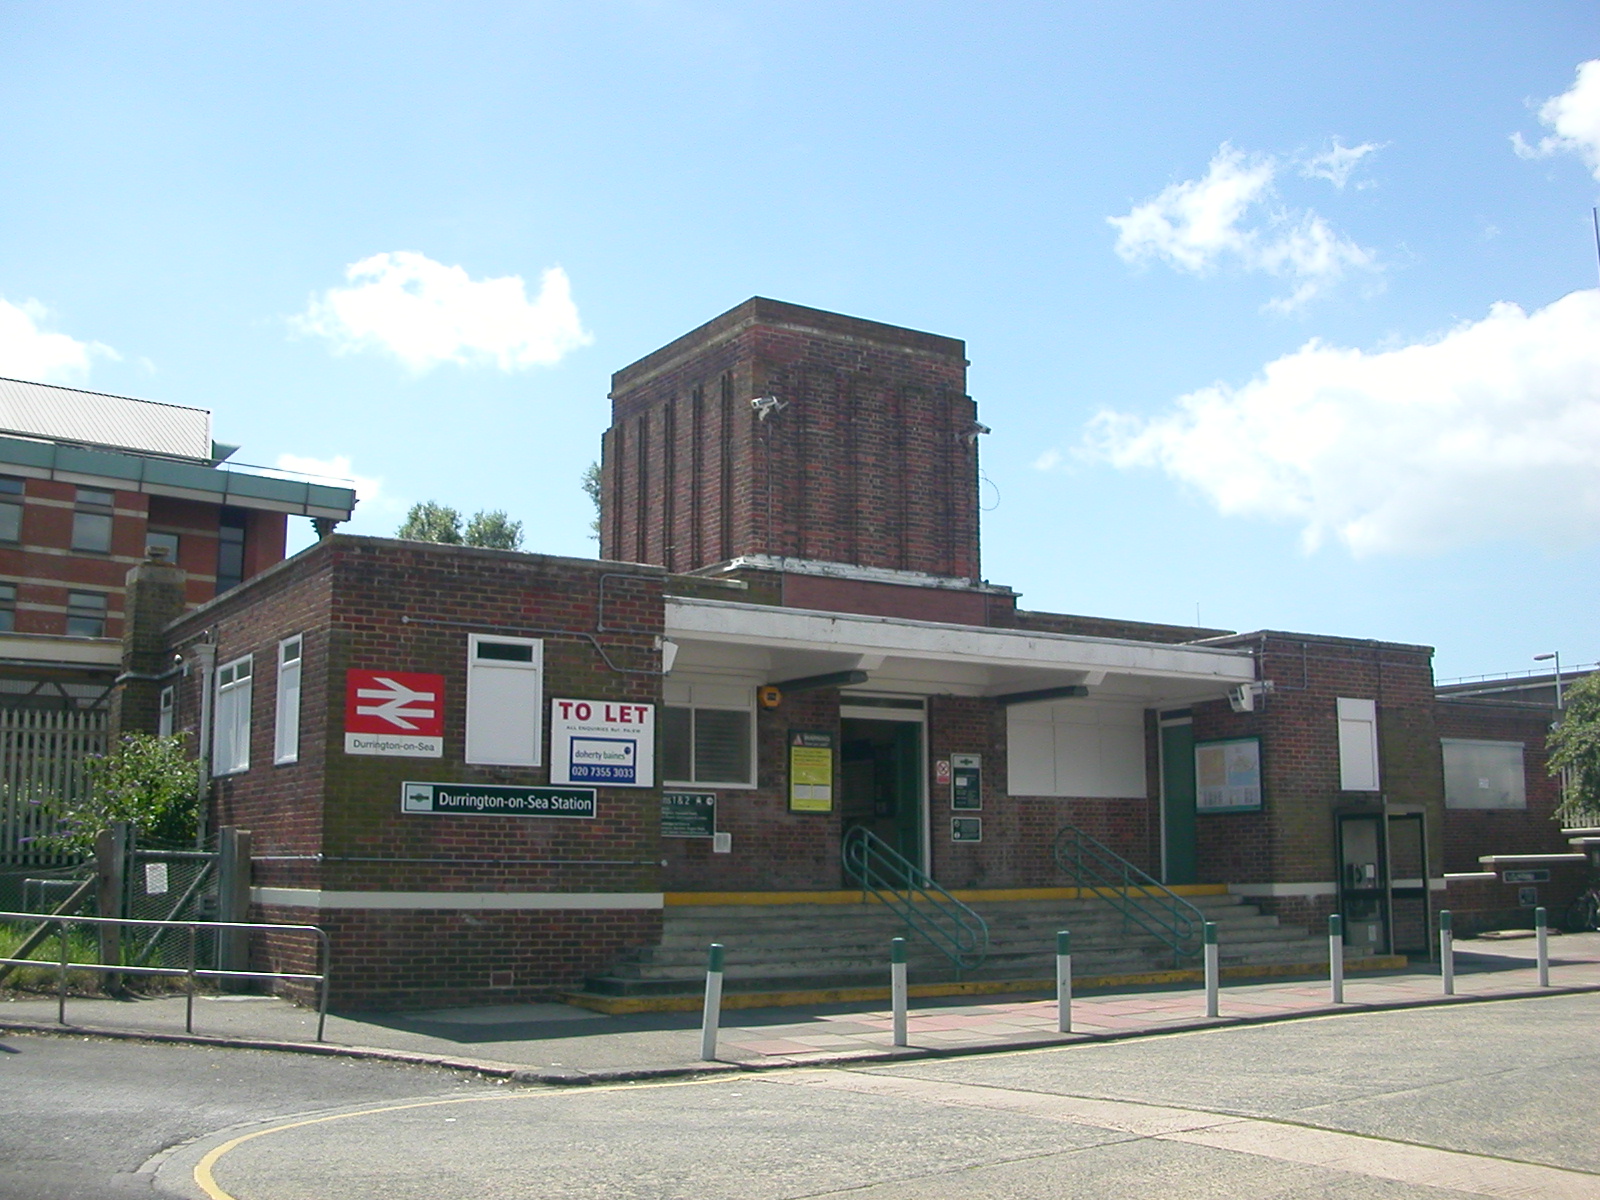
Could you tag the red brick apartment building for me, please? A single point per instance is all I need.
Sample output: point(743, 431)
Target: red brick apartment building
point(90, 485)
point(494, 774)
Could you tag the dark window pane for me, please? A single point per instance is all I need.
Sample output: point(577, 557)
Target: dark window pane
point(86, 614)
point(8, 620)
point(10, 522)
point(675, 725)
point(721, 746)
point(95, 497)
point(165, 541)
point(230, 550)
point(10, 486)
point(91, 531)
point(505, 651)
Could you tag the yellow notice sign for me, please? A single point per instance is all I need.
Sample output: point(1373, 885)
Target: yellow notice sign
point(810, 771)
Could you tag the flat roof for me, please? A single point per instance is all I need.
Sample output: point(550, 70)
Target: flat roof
point(64, 414)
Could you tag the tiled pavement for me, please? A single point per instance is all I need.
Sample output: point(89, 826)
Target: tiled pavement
point(556, 1043)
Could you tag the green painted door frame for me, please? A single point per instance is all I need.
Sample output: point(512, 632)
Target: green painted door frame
point(1178, 824)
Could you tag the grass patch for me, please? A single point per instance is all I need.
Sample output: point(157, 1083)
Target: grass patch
point(83, 946)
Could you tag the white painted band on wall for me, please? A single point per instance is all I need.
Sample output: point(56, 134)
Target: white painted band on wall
point(1269, 890)
point(473, 901)
point(1283, 889)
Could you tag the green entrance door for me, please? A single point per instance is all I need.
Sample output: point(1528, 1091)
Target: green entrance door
point(880, 781)
point(1177, 801)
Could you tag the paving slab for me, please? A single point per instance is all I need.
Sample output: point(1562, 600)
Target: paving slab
point(561, 1044)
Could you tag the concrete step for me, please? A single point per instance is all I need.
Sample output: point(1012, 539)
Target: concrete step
point(810, 946)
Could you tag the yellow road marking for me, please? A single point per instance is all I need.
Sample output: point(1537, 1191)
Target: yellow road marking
point(1282, 1141)
point(206, 1180)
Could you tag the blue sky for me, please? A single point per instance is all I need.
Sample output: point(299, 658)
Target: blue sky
point(1285, 315)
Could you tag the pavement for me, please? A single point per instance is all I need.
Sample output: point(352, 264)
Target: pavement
point(560, 1044)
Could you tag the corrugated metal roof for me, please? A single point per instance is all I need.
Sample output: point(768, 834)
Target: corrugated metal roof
point(43, 410)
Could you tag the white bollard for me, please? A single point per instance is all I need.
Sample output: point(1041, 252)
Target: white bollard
point(1336, 958)
point(1063, 982)
point(897, 988)
point(713, 1010)
point(1447, 953)
point(1212, 969)
point(1541, 928)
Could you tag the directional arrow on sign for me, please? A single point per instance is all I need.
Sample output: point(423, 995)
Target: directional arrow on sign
point(395, 697)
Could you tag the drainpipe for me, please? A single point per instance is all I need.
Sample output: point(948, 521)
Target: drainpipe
point(206, 654)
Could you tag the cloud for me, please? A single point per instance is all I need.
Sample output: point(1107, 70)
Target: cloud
point(28, 352)
point(1048, 461)
point(1233, 215)
point(425, 314)
point(1490, 431)
point(1336, 164)
point(1574, 116)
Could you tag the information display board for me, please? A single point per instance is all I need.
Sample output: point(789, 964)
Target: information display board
point(810, 771)
point(966, 783)
point(1227, 775)
point(688, 814)
point(966, 829)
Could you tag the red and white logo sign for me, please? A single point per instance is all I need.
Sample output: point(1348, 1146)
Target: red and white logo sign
point(399, 714)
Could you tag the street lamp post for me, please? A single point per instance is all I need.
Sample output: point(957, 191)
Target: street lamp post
point(1547, 658)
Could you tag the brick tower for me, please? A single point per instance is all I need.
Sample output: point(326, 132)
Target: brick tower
point(781, 431)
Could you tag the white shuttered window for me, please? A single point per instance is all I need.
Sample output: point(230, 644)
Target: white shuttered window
point(286, 729)
point(505, 700)
point(1358, 745)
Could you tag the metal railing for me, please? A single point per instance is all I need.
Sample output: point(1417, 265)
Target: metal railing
point(929, 911)
point(1142, 900)
point(191, 972)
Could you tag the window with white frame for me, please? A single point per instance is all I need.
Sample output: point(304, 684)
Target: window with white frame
point(1358, 745)
point(230, 743)
point(1483, 774)
point(166, 707)
point(505, 700)
point(1075, 748)
point(708, 734)
point(286, 727)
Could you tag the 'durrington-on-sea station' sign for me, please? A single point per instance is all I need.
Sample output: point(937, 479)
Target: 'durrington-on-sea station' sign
point(602, 742)
point(496, 800)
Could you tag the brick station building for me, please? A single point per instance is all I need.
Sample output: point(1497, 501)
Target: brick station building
point(790, 617)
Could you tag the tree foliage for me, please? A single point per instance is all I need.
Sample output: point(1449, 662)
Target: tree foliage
point(490, 529)
point(430, 521)
point(1574, 746)
point(591, 489)
point(148, 781)
point(493, 530)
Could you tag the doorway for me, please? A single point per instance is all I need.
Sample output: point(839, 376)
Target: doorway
point(1383, 882)
point(880, 782)
point(1178, 825)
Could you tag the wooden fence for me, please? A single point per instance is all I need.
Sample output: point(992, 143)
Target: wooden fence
point(42, 755)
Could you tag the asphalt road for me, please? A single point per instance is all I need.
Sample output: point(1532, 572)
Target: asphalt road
point(1492, 1099)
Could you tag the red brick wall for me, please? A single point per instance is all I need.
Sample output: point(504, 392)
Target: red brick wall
point(45, 578)
point(1470, 833)
point(408, 606)
point(866, 465)
point(1292, 839)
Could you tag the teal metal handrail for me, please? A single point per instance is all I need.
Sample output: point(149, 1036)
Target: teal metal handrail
point(929, 911)
point(1142, 900)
